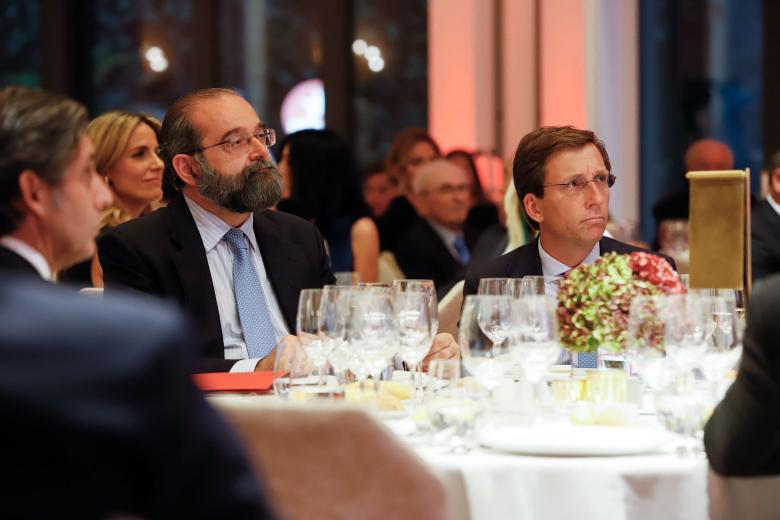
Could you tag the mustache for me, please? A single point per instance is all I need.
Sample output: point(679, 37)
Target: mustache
point(262, 164)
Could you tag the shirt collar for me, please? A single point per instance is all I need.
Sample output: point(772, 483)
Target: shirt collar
point(447, 235)
point(772, 202)
point(553, 267)
point(212, 228)
point(29, 253)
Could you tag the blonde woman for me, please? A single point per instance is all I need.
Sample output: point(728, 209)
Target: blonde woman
point(126, 155)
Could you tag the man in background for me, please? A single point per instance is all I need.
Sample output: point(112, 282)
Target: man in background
point(765, 226)
point(702, 155)
point(51, 197)
point(437, 246)
point(234, 265)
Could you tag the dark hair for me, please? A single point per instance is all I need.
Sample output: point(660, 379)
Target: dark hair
point(177, 134)
point(324, 178)
point(477, 192)
point(536, 147)
point(39, 131)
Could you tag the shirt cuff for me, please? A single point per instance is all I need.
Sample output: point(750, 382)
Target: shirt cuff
point(245, 365)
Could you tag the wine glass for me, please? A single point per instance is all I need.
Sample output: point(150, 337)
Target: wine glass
point(297, 369)
point(540, 285)
point(373, 331)
point(430, 289)
point(307, 327)
point(724, 345)
point(493, 317)
point(414, 329)
point(500, 286)
point(687, 329)
point(644, 345)
point(483, 358)
point(533, 341)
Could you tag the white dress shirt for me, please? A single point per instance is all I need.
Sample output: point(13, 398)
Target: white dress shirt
point(553, 267)
point(447, 236)
point(212, 229)
point(30, 254)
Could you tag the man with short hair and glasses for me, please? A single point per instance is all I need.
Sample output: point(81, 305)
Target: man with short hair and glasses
point(217, 249)
point(563, 178)
point(438, 246)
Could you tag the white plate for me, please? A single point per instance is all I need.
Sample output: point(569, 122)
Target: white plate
point(573, 440)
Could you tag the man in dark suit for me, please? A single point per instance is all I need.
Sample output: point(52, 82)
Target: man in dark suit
point(563, 178)
point(742, 438)
point(51, 197)
point(101, 418)
point(217, 250)
point(765, 227)
point(437, 246)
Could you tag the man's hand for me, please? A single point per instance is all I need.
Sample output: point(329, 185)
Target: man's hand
point(444, 347)
point(290, 348)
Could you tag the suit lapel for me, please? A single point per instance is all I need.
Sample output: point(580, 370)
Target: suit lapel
point(193, 271)
point(281, 259)
point(526, 261)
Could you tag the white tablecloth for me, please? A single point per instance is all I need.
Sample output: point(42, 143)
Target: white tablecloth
point(499, 485)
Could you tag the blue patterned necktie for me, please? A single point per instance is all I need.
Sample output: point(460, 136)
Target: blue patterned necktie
point(460, 247)
point(250, 299)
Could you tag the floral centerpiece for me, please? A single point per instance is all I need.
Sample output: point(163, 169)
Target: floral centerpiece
point(594, 300)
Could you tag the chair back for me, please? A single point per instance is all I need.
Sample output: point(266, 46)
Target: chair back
point(335, 463)
point(755, 497)
point(389, 269)
point(449, 309)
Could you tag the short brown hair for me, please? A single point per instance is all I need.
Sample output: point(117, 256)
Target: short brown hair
point(529, 166)
point(39, 131)
point(178, 135)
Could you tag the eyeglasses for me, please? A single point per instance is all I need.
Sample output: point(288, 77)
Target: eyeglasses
point(602, 181)
point(450, 189)
point(236, 144)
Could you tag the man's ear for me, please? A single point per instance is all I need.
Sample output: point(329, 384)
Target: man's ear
point(34, 194)
point(774, 180)
point(185, 168)
point(532, 208)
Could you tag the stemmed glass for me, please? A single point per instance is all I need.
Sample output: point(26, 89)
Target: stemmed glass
point(540, 285)
point(427, 287)
point(307, 327)
point(493, 317)
point(373, 331)
point(724, 345)
point(644, 344)
point(483, 357)
point(687, 329)
point(533, 340)
point(500, 286)
point(414, 328)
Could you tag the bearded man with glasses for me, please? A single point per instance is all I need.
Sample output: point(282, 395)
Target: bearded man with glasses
point(563, 178)
point(217, 249)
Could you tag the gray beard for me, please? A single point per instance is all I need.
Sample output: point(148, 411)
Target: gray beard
point(257, 187)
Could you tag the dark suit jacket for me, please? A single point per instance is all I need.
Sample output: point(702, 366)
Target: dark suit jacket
point(525, 261)
point(742, 438)
point(421, 253)
point(162, 254)
point(10, 262)
point(399, 217)
point(765, 234)
point(100, 416)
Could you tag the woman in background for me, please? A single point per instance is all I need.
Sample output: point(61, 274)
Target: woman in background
point(410, 149)
point(126, 155)
point(323, 188)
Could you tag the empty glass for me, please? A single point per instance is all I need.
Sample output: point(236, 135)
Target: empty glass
point(488, 361)
point(414, 328)
point(540, 285)
point(500, 286)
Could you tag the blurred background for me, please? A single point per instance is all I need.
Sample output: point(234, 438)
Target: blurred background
point(649, 77)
